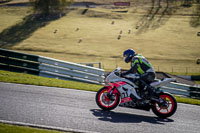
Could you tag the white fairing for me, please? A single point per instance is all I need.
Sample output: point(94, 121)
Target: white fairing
point(130, 90)
point(162, 82)
point(133, 76)
point(130, 86)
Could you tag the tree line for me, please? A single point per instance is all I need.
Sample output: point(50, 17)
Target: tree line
point(47, 7)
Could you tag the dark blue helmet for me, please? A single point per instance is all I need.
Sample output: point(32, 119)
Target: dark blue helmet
point(128, 55)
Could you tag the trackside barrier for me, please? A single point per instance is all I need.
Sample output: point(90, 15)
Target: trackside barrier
point(48, 67)
point(67, 70)
point(182, 90)
point(19, 62)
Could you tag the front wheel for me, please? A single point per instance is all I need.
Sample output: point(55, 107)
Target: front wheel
point(105, 102)
point(166, 109)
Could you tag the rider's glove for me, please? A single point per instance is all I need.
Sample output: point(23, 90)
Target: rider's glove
point(121, 75)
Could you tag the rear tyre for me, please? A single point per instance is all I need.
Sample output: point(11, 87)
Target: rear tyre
point(104, 102)
point(166, 110)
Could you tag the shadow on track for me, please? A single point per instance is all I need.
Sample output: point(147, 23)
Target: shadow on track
point(117, 117)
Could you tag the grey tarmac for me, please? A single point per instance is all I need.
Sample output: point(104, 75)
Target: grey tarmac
point(76, 110)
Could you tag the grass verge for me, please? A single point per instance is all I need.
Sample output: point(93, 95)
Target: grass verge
point(7, 128)
point(197, 82)
point(187, 100)
point(22, 78)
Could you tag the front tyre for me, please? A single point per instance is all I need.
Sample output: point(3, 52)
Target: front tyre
point(167, 109)
point(104, 102)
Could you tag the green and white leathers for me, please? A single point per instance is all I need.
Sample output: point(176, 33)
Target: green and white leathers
point(141, 65)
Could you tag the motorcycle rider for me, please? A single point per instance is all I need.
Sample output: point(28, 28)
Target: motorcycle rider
point(140, 66)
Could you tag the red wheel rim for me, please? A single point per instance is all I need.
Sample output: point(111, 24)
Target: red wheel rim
point(167, 109)
point(105, 101)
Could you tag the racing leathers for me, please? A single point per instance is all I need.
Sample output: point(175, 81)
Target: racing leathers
point(140, 66)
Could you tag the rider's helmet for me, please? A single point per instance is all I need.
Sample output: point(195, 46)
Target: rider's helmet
point(128, 55)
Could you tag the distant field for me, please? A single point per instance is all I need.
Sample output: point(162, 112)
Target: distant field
point(166, 35)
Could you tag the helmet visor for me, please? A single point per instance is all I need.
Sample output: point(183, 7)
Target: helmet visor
point(126, 59)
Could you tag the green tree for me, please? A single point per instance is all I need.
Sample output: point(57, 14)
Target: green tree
point(47, 7)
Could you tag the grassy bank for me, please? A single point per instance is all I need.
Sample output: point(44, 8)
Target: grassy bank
point(187, 100)
point(22, 78)
point(6, 128)
point(90, 36)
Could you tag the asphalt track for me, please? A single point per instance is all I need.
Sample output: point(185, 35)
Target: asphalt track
point(76, 110)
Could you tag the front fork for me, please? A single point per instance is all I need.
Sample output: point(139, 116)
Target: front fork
point(112, 90)
point(109, 95)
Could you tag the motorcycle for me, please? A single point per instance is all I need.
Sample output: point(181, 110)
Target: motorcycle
point(120, 91)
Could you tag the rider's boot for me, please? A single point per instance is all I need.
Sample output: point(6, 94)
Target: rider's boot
point(150, 92)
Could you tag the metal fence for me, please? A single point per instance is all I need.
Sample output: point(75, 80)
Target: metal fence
point(92, 64)
point(182, 90)
point(48, 67)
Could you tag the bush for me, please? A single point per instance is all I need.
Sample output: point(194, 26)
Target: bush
point(47, 7)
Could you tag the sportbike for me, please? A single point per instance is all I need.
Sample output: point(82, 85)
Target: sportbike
point(121, 91)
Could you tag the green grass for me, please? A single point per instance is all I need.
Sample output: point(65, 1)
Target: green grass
point(7, 128)
point(187, 100)
point(22, 78)
point(197, 82)
point(160, 36)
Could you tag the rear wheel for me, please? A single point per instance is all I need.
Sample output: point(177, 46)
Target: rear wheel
point(105, 102)
point(167, 108)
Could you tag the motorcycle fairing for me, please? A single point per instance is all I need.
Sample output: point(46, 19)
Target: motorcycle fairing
point(162, 82)
point(124, 90)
